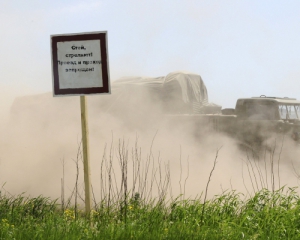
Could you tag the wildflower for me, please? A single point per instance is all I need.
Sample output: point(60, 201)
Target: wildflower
point(69, 214)
point(94, 213)
point(4, 220)
point(130, 207)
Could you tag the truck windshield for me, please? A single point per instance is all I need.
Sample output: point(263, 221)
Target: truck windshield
point(289, 111)
point(261, 111)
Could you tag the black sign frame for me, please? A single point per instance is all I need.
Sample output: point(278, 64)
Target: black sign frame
point(102, 36)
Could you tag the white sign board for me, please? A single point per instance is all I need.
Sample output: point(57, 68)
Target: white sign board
point(80, 64)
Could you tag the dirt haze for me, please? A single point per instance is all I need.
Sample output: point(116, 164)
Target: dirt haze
point(43, 131)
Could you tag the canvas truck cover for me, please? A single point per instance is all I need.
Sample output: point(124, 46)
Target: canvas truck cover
point(179, 92)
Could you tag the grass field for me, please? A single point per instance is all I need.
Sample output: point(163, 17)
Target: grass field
point(266, 215)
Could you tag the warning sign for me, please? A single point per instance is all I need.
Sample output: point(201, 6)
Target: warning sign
point(80, 64)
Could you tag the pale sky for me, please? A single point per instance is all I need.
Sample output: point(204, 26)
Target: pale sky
point(240, 48)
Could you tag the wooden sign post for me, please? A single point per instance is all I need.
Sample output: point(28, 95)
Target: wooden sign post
point(80, 67)
point(86, 154)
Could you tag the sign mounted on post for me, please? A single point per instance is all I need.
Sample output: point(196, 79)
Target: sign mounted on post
point(80, 67)
point(80, 64)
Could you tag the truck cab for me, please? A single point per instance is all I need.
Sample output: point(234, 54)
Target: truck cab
point(259, 118)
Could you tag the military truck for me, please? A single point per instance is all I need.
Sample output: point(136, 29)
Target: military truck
point(140, 103)
point(259, 118)
point(253, 121)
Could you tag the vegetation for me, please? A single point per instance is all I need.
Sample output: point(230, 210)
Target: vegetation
point(267, 215)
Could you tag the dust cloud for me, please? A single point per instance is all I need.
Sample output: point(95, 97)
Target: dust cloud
point(40, 136)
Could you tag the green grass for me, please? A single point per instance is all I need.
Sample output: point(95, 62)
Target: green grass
point(266, 215)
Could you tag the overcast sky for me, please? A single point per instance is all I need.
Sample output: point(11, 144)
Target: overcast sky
point(240, 48)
